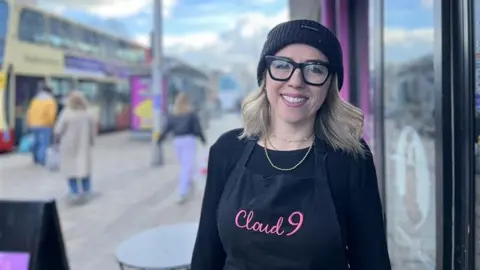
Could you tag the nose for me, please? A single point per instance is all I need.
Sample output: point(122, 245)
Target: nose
point(296, 81)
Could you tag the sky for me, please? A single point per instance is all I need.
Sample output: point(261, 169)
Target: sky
point(213, 33)
point(229, 33)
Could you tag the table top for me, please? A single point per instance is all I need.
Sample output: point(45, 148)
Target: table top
point(163, 247)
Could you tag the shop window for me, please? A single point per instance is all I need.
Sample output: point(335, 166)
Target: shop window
point(409, 128)
point(4, 16)
point(32, 26)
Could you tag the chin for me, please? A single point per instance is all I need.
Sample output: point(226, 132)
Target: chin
point(293, 118)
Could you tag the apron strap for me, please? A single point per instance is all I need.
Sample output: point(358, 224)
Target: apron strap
point(246, 152)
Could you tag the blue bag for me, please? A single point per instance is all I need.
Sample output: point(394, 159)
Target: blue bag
point(26, 144)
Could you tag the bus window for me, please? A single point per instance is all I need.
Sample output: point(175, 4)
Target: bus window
point(3, 29)
point(90, 90)
point(61, 86)
point(70, 34)
point(32, 26)
point(55, 33)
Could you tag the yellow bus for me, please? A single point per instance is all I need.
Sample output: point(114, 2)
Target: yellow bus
point(38, 48)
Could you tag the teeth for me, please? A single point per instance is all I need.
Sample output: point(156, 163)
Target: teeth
point(294, 99)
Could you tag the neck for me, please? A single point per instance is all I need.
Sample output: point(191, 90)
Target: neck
point(285, 136)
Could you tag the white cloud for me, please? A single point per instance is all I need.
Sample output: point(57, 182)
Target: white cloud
point(407, 37)
point(112, 8)
point(427, 3)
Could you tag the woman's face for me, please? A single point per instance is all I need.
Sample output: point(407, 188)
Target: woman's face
point(293, 99)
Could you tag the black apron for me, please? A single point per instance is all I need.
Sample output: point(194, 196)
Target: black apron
point(280, 222)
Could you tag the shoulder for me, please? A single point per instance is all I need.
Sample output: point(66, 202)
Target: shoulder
point(228, 146)
point(229, 141)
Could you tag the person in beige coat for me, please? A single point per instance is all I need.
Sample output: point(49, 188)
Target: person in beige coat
point(75, 131)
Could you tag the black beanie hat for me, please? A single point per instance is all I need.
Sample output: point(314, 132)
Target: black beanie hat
point(303, 32)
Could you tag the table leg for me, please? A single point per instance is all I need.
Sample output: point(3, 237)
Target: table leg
point(121, 266)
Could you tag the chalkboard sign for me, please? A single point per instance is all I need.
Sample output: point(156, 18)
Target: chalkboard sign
point(30, 236)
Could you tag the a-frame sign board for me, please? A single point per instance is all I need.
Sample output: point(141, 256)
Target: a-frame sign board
point(31, 237)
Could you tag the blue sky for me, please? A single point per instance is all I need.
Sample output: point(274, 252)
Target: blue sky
point(216, 28)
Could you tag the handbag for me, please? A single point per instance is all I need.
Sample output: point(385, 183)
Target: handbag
point(26, 143)
point(52, 162)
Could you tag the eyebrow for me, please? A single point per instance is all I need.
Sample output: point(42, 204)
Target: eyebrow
point(306, 61)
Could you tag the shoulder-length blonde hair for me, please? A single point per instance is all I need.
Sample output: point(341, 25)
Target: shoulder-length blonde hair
point(76, 101)
point(338, 122)
point(182, 104)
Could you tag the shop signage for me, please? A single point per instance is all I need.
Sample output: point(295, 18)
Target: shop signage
point(75, 64)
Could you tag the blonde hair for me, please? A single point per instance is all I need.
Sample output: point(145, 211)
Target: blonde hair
point(181, 104)
point(338, 122)
point(76, 101)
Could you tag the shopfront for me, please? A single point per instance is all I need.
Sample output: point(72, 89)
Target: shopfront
point(412, 65)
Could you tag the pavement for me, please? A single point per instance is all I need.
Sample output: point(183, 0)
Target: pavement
point(132, 196)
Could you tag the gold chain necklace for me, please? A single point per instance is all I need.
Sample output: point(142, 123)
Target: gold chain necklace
point(288, 169)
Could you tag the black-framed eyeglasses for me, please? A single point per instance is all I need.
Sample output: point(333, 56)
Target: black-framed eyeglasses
point(314, 73)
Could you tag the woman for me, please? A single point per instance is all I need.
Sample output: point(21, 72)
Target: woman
point(185, 126)
point(295, 188)
point(75, 130)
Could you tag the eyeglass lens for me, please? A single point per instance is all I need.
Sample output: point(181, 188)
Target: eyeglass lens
point(312, 73)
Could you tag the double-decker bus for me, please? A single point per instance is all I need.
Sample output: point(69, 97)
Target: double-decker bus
point(39, 48)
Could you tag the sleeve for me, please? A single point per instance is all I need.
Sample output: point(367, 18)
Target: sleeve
point(197, 128)
point(208, 253)
point(367, 243)
point(60, 126)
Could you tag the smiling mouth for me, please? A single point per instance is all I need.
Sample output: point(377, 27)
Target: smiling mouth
point(294, 100)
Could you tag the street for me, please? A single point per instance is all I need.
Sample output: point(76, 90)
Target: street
point(132, 196)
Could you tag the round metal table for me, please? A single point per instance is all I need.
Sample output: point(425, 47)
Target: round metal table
point(162, 248)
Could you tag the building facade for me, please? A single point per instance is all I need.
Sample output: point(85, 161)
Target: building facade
point(412, 67)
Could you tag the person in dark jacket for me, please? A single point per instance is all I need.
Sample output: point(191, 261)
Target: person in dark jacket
point(296, 188)
point(186, 128)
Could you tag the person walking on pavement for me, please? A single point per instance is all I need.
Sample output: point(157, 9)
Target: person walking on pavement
point(296, 188)
point(41, 116)
point(75, 132)
point(185, 126)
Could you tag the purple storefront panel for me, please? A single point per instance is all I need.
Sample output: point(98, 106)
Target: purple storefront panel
point(363, 67)
point(328, 14)
point(342, 23)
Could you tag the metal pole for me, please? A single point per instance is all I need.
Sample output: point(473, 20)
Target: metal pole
point(157, 80)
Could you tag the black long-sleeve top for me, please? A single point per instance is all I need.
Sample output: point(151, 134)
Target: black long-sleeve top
point(183, 124)
point(354, 190)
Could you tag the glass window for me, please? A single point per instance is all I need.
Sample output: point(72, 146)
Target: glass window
point(55, 33)
point(409, 134)
point(61, 86)
point(3, 28)
point(477, 132)
point(4, 19)
point(90, 90)
point(32, 26)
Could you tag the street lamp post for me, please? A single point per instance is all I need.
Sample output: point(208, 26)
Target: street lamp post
point(157, 80)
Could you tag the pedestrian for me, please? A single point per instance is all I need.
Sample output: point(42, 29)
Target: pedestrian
point(185, 126)
point(296, 188)
point(41, 117)
point(75, 131)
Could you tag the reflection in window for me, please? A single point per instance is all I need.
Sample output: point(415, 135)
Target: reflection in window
point(3, 29)
point(32, 26)
point(409, 139)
